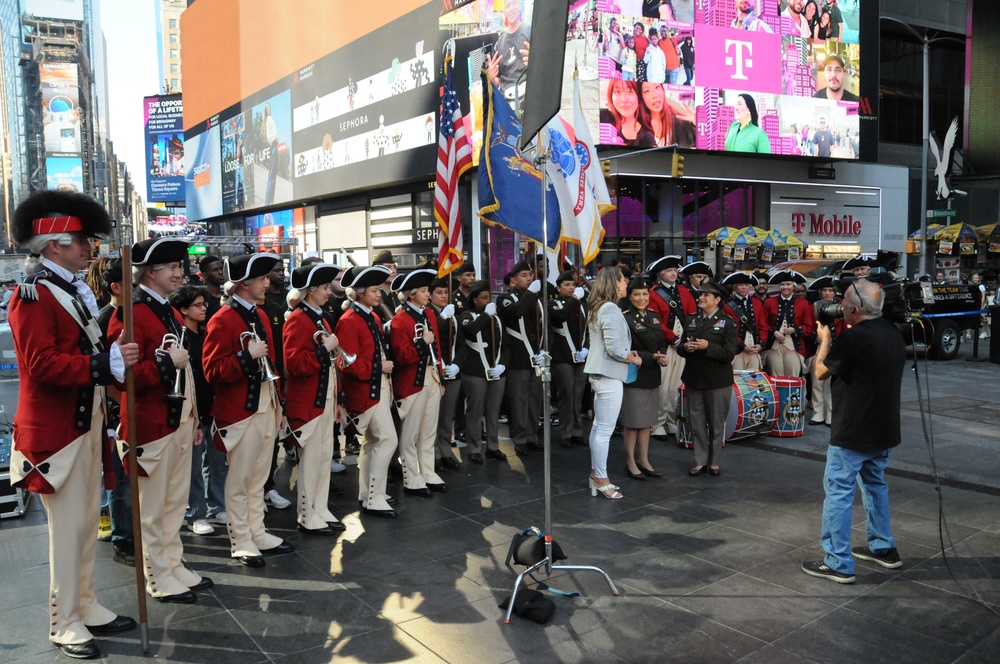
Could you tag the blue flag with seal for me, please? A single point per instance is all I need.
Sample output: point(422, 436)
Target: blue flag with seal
point(510, 185)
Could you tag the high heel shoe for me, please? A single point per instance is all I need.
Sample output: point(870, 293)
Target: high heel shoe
point(635, 476)
point(608, 490)
point(698, 470)
point(648, 472)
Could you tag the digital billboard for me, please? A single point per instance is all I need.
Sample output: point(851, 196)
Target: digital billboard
point(163, 119)
point(64, 173)
point(203, 172)
point(69, 10)
point(771, 76)
point(60, 87)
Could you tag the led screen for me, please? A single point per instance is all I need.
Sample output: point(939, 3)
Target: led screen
point(164, 149)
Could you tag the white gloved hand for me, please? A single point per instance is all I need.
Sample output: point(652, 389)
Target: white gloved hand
point(581, 354)
point(578, 292)
point(535, 286)
point(540, 358)
point(497, 371)
point(448, 312)
point(491, 309)
point(451, 370)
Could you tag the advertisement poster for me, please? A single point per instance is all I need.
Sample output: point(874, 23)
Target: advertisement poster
point(203, 174)
point(60, 107)
point(163, 119)
point(269, 147)
point(64, 173)
point(237, 162)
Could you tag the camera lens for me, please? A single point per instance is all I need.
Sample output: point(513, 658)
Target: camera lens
point(829, 313)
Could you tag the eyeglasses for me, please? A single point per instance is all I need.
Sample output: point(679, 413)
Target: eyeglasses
point(200, 305)
point(861, 300)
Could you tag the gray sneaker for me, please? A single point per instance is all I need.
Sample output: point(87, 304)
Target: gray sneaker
point(820, 570)
point(219, 518)
point(889, 559)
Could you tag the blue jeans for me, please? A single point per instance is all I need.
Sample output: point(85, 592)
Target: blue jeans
point(119, 501)
point(204, 500)
point(844, 469)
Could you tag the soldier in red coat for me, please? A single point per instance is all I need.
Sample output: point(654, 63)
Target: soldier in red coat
point(416, 381)
point(311, 395)
point(59, 427)
point(169, 424)
point(748, 312)
point(673, 303)
point(367, 390)
point(238, 358)
point(789, 323)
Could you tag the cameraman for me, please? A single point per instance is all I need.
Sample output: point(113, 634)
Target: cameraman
point(866, 363)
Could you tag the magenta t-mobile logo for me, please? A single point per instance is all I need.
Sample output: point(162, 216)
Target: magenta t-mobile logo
point(738, 48)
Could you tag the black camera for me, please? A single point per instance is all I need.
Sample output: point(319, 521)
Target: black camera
point(829, 313)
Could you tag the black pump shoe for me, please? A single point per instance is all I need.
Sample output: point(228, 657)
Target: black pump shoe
point(648, 472)
point(635, 476)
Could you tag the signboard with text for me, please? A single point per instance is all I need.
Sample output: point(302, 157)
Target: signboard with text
point(163, 120)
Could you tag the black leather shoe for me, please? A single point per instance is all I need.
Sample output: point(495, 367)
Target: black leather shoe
point(538, 447)
point(119, 624)
point(579, 440)
point(636, 476)
point(325, 530)
point(251, 561)
point(814, 423)
point(187, 597)
point(698, 470)
point(519, 450)
point(87, 650)
point(204, 584)
point(476, 458)
point(124, 552)
point(438, 488)
point(385, 514)
point(336, 525)
point(498, 455)
point(284, 547)
point(714, 472)
point(391, 500)
point(451, 463)
point(648, 472)
point(423, 492)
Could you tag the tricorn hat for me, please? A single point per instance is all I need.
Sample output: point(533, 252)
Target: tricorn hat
point(860, 261)
point(741, 278)
point(362, 276)
point(413, 280)
point(821, 283)
point(46, 212)
point(249, 266)
point(787, 275)
point(312, 275)
point(159, 251)
point(663, 264)
point(697, 267)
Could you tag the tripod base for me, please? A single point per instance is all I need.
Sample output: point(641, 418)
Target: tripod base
point(546, 563)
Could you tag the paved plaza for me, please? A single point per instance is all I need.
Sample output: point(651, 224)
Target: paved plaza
point(708, 568)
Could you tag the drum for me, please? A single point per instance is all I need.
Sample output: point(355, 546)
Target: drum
point(754, 405)
point(752, 410)
point(791, 392)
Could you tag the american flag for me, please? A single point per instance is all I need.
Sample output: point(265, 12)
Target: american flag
point(454, 158)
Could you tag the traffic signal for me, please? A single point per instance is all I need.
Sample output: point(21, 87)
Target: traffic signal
point(677, 166)
point(606, 168)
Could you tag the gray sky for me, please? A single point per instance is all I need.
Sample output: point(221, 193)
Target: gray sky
point(133, 73)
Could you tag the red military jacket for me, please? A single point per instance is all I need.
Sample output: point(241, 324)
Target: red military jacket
point(153, 375)
point(750, 318)
point(410, 358)
point(802, 316)
point(307, 367)
point(228, 366)
point(669, 308)
point(360, 334)
point(59, 371)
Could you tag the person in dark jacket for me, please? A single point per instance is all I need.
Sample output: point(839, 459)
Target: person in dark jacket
point(568, 343)
point(483, 366)
point(709, 345)
point(641, 400)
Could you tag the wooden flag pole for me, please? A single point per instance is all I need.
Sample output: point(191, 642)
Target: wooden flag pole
point(130, 438)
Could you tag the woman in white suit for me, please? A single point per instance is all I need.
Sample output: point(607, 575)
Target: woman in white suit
point(607, 368)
